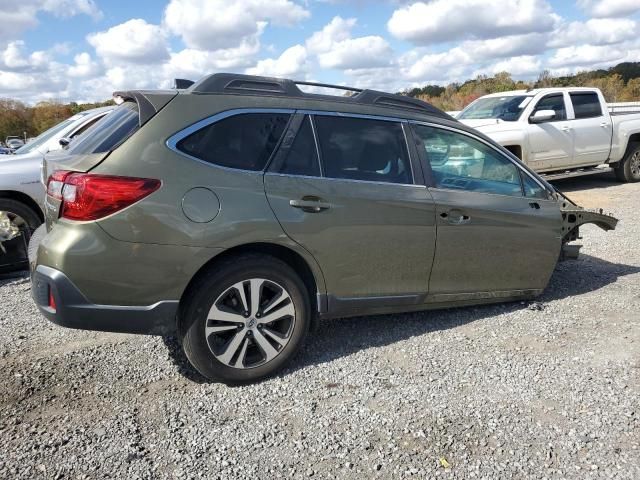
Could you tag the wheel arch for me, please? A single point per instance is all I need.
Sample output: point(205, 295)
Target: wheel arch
point(25, 199)
point(310, 276)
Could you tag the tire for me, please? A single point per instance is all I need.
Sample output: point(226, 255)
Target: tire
point(628, 170)
point(28, 221)
point(225, 330)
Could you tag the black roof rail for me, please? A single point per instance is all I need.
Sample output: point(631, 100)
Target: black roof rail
point(250, 84)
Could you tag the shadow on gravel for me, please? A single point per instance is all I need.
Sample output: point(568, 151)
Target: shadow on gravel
point(338, 338)
point(568, 185)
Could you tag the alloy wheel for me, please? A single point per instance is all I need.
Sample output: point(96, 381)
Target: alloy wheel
point(250, 323)
point(635, 164)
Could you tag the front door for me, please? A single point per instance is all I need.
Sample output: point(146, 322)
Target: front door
point(361, 211)
point(551, 142)
point(493, 241)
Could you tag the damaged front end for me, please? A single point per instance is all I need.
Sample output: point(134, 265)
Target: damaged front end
point(573, 216)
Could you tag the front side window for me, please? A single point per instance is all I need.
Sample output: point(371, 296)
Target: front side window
point(363, 149)
point(244, 141)
point(460, 162)
point(533, 189)
point(586, 105)
point(553, 102)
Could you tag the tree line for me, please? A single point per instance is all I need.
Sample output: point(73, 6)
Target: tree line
point(618, 84)
point(22, 120)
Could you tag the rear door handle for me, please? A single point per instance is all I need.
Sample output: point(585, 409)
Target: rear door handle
point(535, 205)
point(566, 128)
point(310, 205)
point(455, 217)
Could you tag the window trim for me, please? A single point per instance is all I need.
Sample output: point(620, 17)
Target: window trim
point(429, 174)
point(578, 93)
point(552, 94)
point(172, 141)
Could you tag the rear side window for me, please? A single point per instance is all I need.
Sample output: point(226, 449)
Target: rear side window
point(301, 158)
point(553, 102)
point(586, 105)
point(109, 132)
point(363, 149)
point(244, 141)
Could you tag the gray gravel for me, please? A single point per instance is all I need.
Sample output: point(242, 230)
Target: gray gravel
point(546, 389)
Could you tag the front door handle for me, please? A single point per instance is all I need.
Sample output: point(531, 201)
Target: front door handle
point(310, 204)
point(604, 124)
point(566, 128)
point(534, 205)
point(455, 217)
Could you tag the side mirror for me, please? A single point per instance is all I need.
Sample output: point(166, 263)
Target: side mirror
point(542, 116)
point(64, 141)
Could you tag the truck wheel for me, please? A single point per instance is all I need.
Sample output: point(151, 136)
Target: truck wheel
point(628, 170)
point(17, 223)
point(245, 319)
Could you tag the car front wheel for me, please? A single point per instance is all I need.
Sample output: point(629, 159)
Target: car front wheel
point(245, 319)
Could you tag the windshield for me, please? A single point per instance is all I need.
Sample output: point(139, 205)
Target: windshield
point(46, 136)
point(109, 132)
point(507, 108)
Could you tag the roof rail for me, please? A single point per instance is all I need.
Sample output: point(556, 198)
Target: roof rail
point(250, 84)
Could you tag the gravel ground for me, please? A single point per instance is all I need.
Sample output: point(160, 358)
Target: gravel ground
point(546, 389)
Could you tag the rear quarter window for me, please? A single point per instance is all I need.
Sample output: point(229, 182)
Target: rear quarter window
point(244, 141)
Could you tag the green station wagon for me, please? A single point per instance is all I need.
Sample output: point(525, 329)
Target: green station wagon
point(241, 210)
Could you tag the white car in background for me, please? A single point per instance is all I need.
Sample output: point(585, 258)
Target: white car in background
point(561, 131)
point(21, 190)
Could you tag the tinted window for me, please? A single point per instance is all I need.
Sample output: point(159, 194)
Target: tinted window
point(301, 157)
point(106, 134)
point(586, 105)
point(363, 149)
point(533, 189)
point(242, 141)
point(462, 163)
point(555, 103)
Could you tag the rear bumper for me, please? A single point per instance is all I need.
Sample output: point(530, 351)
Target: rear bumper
point(73, 310)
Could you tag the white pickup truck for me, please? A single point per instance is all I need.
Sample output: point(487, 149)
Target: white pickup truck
point(561, 131)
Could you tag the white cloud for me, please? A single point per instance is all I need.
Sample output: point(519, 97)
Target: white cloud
point(507, 46)
point(524, 65)
point(84, 66)
point(220, 24)
point(450, 65)
point(595, 31)
point(593, 55)
point(445, 20)
point(292, 63)
point(16, 59)
point(134, 41)
point(337, 30)
point(609, 8)
point(335, 48)
point(19, 15)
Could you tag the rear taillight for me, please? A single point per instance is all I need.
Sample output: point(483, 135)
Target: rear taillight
point(86, 196)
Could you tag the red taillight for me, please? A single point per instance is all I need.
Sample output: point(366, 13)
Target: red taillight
point(86, 196)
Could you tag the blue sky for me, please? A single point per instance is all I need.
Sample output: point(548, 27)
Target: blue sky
point(84, 49)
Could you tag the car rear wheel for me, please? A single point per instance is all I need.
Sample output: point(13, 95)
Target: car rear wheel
point(17, 223)
point(629, 168)
point(245, 319)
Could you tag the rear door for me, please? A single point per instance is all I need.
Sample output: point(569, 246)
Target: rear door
point(592, 129)
point(499, 233)
point(551, 142)
point(361, 208)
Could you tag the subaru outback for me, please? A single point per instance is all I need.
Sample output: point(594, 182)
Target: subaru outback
point(241, 210)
